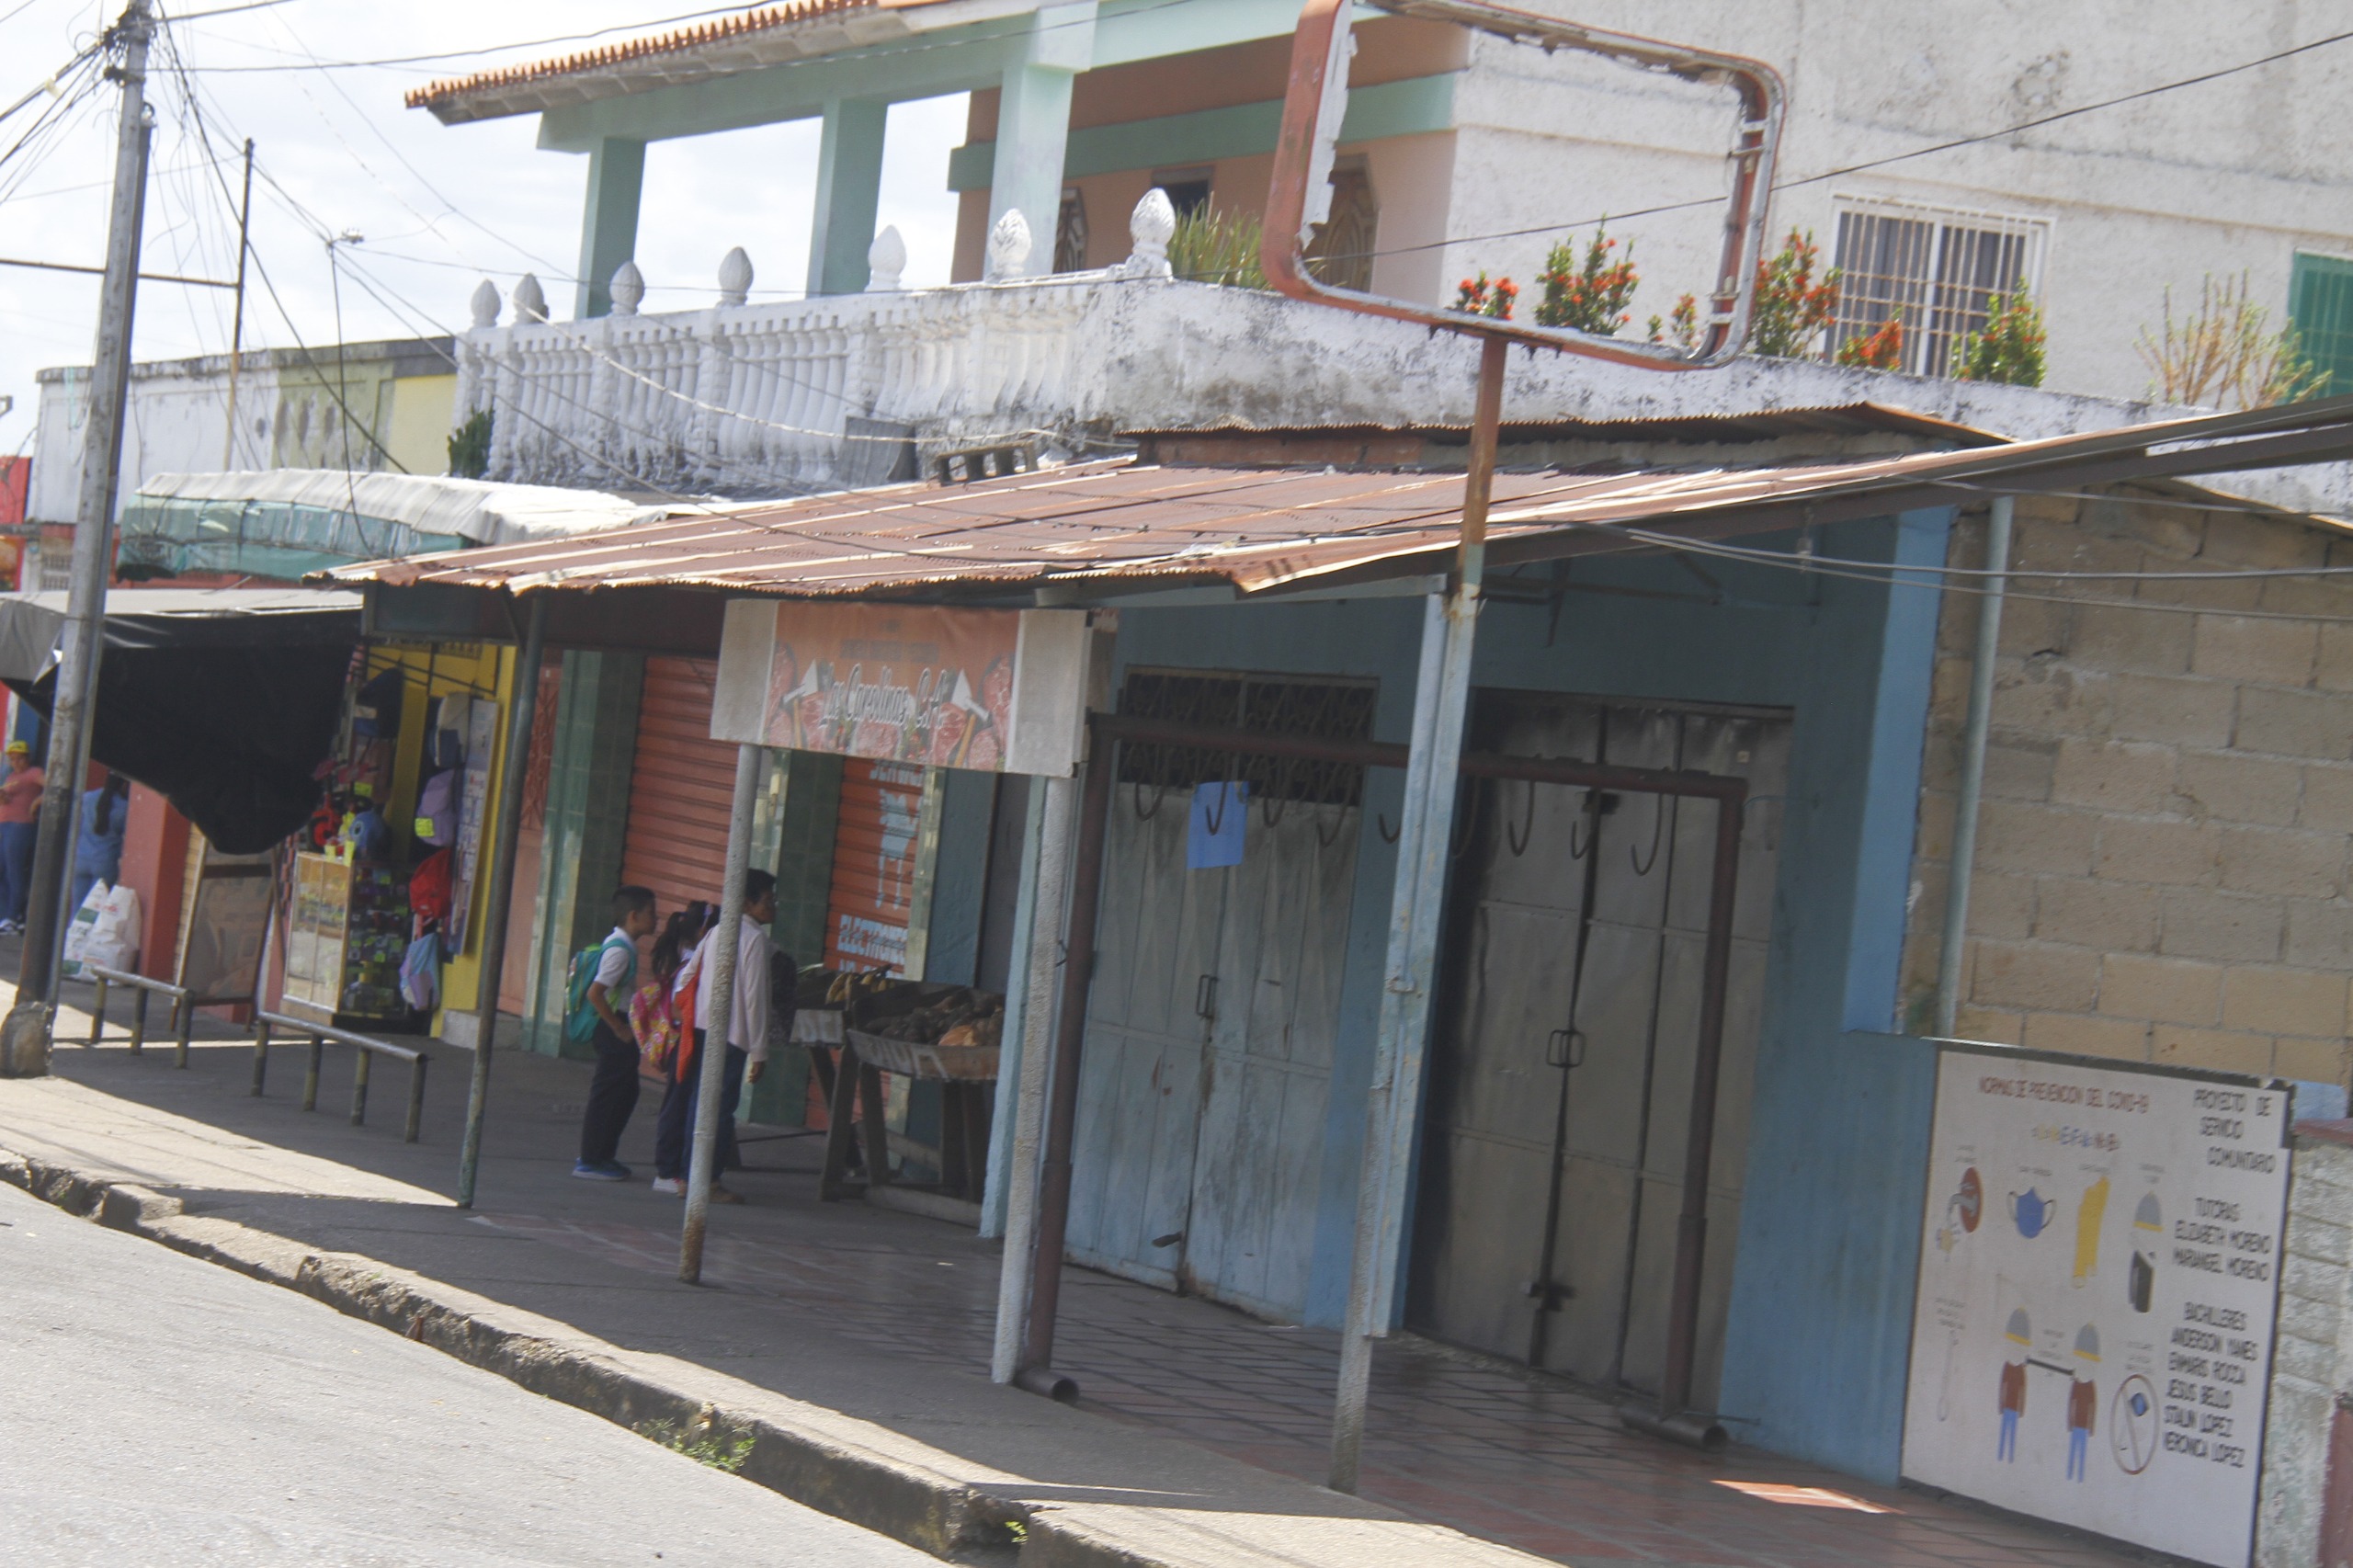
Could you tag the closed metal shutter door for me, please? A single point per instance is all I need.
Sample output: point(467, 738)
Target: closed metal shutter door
point(874, 866)
point(681, 784)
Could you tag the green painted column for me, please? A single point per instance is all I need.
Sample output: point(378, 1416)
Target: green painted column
point(607, 222)
point(1033, 125)
point(588, 812)
point(849, 187)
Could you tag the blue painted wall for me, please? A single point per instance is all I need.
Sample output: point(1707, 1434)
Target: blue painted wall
point(1822, 1285)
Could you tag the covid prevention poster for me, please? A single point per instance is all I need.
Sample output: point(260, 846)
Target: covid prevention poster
point(2099, 1274)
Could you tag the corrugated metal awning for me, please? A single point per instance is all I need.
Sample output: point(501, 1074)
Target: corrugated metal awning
point(1115, 526)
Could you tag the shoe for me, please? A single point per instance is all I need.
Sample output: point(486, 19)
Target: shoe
point(607, 1170)
point(720, 1194)
point(669, 1187)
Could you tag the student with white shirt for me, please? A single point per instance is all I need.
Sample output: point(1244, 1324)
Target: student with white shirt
point(612, 1093)
point(747, 1039)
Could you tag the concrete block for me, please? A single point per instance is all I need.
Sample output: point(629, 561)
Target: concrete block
point(2333, 669)
point(2112, 916)
point(2117, 776)
point(2155, 849)
point(2282, 860)
point(2223, 1052)
point(2172, 536)
point(2284, 1001)
point(2182, 710)
point(1935, 839)
point(2147, 642)
point(2054, 546)
point(2018, 767)
point(2031, 974)
point(2328, 803)
point(2196, 922)
point(2002, 906)
point(2032, 626)
point(1990, 1025)
point(2317, 725)
point(2079, 1035)
point(2046, 697)
point(2248, 539)
point(2229, 787)
point(2274, 653)
point(2167, 990)
point(2017, 835)
point(2319, 935)
point(2314, 1060)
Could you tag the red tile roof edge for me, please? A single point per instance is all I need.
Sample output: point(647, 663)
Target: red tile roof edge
point(677, 39)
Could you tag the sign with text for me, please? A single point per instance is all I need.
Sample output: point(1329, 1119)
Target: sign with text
point(994, 691)
point(2099, 1274)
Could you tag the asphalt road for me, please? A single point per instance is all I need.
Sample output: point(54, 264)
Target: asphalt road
point(158, 1410)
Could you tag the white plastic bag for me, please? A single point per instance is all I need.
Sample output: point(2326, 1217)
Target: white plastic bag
point(104, 930)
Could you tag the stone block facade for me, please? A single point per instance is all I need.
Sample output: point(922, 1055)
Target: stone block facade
point(2163, 858)
point(2312, 1363)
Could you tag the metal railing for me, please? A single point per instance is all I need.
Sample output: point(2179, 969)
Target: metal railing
point(369, 1047)
point(183, 1008)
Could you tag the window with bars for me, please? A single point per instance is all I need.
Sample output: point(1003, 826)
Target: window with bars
point(1939, 271)
point(1320, 709)
point(2320, 302)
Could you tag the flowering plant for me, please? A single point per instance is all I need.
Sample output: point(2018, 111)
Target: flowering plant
point(1879, 350)
point(1591, 295)
point(1481, 297)
point(1791, 308)
point(1681, 323)
point(2007, 349)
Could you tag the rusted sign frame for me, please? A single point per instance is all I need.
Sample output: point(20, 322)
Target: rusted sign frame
point(1300, 195)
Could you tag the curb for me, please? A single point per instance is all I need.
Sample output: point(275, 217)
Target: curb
point(909, 1502)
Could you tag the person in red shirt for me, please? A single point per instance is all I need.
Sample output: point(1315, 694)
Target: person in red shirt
point(19, 815)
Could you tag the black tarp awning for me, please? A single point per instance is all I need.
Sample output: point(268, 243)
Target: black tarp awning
point(224, 700)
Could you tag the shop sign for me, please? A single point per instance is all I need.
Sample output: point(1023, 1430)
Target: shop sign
point(994, 690)
point(2100, 1276)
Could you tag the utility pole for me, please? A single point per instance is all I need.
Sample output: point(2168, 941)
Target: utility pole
point(237, 322)
point(24, 1036)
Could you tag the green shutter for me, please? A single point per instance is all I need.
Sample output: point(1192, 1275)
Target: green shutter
point(2320, 301)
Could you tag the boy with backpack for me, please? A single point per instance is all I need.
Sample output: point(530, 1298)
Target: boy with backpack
point(599, 985)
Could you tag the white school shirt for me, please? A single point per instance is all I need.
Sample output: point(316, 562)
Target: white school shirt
point(614, 962)
point(749, 1027)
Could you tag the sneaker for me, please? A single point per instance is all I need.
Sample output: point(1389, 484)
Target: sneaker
point(669, 1187)
point(720, 1194)
point(607, 1170)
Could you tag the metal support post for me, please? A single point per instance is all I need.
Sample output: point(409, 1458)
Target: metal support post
point(98, 1010)
point(1050, 888)
point(183, 1024)
point(1392, 1108)
point(514, 761)
point(311, 1072)
point(1035, 1372)
point(261, 1054)
point(139, 1020)
point(1972, 767)
point(360, 1088)
point(416, 1097)
point(25, 1037)
point(726, 942)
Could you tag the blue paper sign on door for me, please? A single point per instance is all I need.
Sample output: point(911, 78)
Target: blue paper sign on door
point(1214, 837)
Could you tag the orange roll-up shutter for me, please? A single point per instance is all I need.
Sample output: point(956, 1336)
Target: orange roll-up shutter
point(681, 784)
point(874, 866)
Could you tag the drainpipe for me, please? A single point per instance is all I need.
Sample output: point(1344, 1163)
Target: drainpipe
point(1972, 765)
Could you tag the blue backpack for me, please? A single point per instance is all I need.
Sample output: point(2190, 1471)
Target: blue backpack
point(581, 1018)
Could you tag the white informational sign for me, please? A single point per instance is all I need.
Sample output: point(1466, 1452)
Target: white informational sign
point(2099, 1275)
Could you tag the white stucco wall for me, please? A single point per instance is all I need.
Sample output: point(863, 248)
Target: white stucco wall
point(176, 422)
point(2234, 174)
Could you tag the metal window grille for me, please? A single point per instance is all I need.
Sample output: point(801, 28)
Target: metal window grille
point(1324, 709)
point(2320, 302)
point(1941, 275)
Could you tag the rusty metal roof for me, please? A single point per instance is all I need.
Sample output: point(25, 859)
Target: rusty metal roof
point(1118, 527)
point(716, 48)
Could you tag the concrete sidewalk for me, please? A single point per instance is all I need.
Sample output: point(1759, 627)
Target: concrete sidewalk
point(852, 1344)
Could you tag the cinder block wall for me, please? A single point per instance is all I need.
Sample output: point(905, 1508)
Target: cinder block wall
point(2313, 1353)
point(2162, 857)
